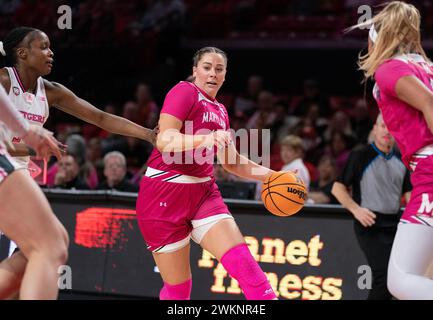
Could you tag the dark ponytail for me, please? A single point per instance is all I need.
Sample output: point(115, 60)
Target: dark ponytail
point(8, 55)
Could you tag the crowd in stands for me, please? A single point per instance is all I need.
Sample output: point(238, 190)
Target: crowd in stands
point(310, 131)
point(99, 22)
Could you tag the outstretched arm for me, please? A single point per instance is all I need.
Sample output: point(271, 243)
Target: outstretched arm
point(64, 99)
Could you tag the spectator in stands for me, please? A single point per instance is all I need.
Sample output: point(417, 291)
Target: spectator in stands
point(94, 155)
point(292, 153)
point(77, 148)
point(320, 190)
point(246, 103)
point(115, 173)
point(339, 148)
point(314, 119)
point(265, 115)
point(110, 108)
point(148, 110)
point(279, 128)
point(135, 151)
point(130, 111)
point(222, 175)
point(67, 176)
point(361, 122)
point(339, 122)
point(312, 95)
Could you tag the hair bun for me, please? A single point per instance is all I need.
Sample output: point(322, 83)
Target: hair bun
point(2, 50)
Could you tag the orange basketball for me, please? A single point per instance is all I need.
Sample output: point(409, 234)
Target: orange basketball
point(284, 193)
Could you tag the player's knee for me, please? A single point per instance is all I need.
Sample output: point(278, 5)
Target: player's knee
point(58, 250)
point(241, 265)
point(61, 247)
point(180, 291)
point(59, 253)
point(397, 281)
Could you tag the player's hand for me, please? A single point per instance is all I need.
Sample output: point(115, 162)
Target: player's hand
point(268, 175)
point(43, 142)
point(364, 216)
point(218, 138)
point(153, 134)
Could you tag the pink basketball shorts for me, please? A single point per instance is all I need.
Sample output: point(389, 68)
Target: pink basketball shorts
point(172, 208)
point(419, 210)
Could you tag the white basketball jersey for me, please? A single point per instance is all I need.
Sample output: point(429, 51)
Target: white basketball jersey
point(33, 107)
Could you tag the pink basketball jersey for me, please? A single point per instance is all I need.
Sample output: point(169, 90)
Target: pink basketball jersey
point(200, 114)
point(406, 124)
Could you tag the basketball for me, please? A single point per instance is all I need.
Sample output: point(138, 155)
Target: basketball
point(284, 194)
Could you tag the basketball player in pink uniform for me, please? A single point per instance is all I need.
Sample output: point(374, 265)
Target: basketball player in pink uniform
point(26, 216)
point(178, 198)
point(28, 58)
point(404, 93)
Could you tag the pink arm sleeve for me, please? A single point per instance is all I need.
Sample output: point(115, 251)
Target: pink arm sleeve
point(179, 101)
point(389, 73)
point(10, 116)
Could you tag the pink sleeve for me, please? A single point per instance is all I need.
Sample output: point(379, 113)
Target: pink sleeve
point(10, 116)
point(179, 101)
point(389, 73)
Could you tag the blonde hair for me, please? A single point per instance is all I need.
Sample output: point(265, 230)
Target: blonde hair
point(294, 142)
point(398, 28)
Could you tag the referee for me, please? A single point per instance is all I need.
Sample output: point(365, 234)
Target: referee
point(378, 179)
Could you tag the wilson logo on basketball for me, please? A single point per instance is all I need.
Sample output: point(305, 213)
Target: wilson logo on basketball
point(300, 193)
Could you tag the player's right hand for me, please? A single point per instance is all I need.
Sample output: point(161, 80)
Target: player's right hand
point(221, 138)
point(43, 142)
point(364, 216)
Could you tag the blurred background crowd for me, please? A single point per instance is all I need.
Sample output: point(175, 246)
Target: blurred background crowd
point(291, 69)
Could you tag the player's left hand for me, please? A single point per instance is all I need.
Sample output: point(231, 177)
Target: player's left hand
point(43, 142)
point(153, 135)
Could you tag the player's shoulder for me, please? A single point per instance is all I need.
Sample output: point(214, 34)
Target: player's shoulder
point(184, 86)
point(50, 84)
point(53, 87)
point(392, 64)
point(183, 90)
point(54, 91)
